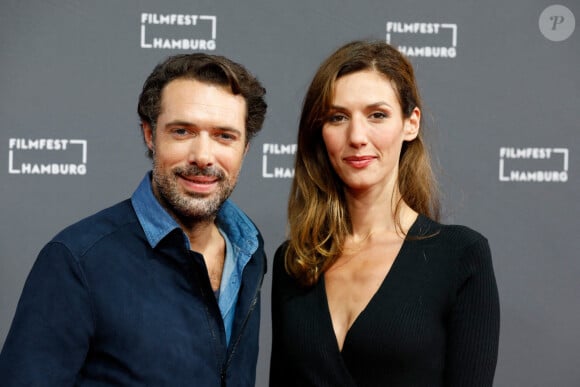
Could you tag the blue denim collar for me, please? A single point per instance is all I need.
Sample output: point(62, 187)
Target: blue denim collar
point(157, 222)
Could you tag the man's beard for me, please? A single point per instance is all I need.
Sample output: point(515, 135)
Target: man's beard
point(190, 206)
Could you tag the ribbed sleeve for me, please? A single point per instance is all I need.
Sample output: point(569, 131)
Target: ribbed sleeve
point(473, 325)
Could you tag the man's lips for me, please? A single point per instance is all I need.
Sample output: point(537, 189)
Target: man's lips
point(200, 179)
point(359, 161)
point(199, 183)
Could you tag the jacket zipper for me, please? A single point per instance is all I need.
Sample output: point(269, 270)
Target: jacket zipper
point(252, 307)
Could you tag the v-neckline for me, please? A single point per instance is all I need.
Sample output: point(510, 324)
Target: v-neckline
point(396, 263)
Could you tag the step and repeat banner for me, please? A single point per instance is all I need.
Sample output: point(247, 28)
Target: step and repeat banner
point(501, 87)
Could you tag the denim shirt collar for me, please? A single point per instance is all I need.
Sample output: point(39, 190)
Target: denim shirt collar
point(155, 220)
point(157, 223)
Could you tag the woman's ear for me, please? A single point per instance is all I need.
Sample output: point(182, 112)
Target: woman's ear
point(412, 125)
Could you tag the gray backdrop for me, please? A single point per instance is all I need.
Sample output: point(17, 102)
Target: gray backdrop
point(500, 83)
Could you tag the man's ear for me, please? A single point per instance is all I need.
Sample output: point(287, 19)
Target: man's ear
point(412, 125)
point(148, 135)
point(247, 149)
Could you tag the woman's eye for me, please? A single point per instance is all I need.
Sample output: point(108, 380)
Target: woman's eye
point(336, 118)
point(378, 115)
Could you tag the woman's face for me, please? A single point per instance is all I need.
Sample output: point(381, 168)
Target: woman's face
point(365, 130)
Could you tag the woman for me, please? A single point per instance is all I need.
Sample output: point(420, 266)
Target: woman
point(369, 290)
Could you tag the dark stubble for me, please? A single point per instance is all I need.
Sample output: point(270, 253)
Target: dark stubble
point(191, 206)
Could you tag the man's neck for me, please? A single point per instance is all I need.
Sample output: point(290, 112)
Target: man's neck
point(201, 234)
point(207, 240)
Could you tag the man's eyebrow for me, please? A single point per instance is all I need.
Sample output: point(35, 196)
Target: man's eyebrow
point(179, 123)
point(229, 129)
point(191, 124)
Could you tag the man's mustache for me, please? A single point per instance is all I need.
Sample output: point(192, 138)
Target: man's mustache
point(194, 170)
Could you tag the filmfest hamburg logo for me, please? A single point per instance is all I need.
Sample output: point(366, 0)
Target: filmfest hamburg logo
point(47, 156)
point(421, 39)
point(278, 161)
point(178, 31)
point(536, 165)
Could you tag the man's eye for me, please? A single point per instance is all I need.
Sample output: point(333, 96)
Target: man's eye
point(226, 136)
point(179, 131)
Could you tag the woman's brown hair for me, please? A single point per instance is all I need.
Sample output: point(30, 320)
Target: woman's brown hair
point(318, 216)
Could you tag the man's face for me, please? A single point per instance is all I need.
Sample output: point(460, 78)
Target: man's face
point(198, 148)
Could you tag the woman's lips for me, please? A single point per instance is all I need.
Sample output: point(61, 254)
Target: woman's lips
point(359, 161)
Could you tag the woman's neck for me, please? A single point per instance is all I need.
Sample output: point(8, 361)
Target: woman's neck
point(373, 213)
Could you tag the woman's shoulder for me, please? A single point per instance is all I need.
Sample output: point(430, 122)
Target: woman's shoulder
point(279, 265)
point(457, 245)
point(279, 255)
point(456, 235)
point(284, 286)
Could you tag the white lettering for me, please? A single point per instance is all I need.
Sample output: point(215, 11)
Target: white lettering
point(182, 44)
point(413, 28)
point(538, 176)
point(525, 153)
point(429, 52)
point(265, 173)
point(53, 169)
point(284, 172)
point(278, 172)
point(38, 144)
point(279, 149)
point(168, 19)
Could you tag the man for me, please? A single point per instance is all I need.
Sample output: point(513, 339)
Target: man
point(162, 289)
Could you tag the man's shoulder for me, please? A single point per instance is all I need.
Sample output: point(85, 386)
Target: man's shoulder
point(84, 234)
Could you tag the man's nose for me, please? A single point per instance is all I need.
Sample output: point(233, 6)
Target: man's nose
point(201, 150)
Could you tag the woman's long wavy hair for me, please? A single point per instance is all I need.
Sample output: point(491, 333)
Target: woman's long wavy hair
point(318, 217)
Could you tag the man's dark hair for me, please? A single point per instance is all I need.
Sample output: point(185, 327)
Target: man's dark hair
point(211, 69)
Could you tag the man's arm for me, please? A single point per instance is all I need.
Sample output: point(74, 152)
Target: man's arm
point(49, 337)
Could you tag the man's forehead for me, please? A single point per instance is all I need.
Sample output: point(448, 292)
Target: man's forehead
point(186, 99)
